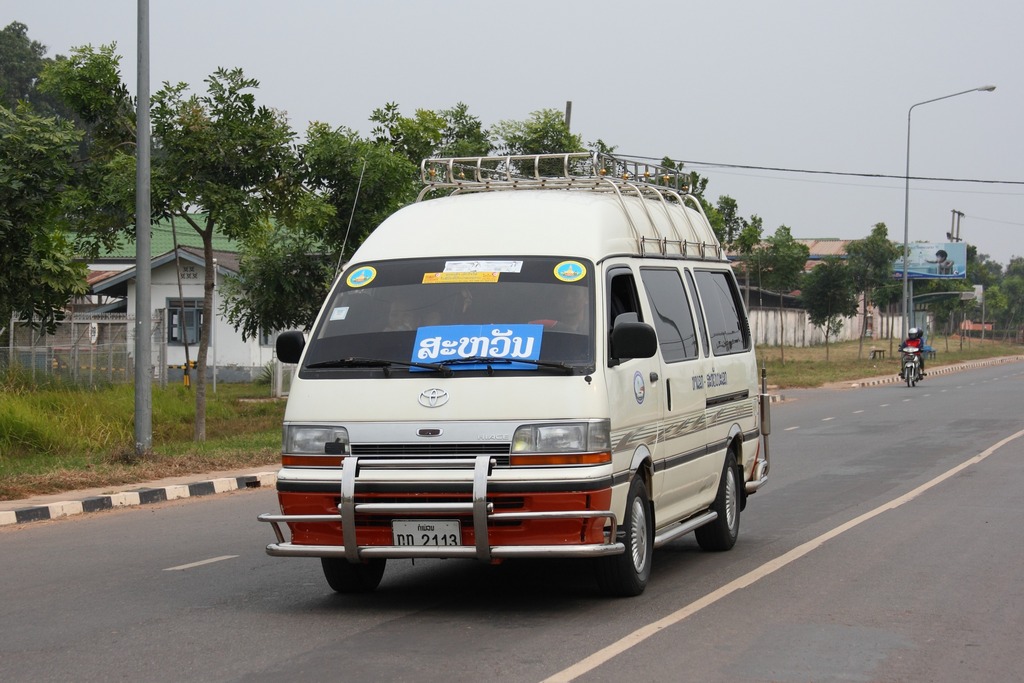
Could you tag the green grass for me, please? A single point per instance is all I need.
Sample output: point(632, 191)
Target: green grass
point(55, 437)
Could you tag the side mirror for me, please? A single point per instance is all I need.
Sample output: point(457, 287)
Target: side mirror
point(632, 339)
point(290, 345)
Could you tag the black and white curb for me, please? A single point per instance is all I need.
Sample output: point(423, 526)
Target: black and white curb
point(142, 496)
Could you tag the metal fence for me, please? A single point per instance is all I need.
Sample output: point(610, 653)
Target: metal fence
point(93, 350)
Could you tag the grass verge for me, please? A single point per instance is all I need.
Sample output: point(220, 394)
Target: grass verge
point(59, 438)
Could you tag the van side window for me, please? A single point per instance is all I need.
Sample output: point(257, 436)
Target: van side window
point(727, 322)
point(622, 296)
point(691, 286)
point(673, 321)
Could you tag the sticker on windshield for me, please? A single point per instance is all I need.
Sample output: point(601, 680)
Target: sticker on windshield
point(339, 313)
point(361, 277)
point(570, 271)
point(447, 278)
point(466, 346)
point(483, 266)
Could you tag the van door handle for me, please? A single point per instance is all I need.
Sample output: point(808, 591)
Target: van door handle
point(654, 377)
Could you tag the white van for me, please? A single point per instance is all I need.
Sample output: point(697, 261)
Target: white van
point(552, 360)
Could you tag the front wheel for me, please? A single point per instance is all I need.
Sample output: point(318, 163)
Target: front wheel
point(347, 577)
point(626, 575)
point(722, 533)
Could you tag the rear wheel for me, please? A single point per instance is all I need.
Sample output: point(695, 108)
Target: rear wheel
point(626, 575)
point(347, 577)
point(722, 533)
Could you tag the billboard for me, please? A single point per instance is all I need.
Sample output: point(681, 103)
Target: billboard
point(934, 261)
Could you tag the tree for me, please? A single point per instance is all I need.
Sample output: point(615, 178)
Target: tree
point(218, 156)
point(746, 243)
point(38, 272)
point(463, 135)
point(544, 132)
point(21, 61)
point(871, 264)
point(233, 159)
point(782, 260)
point(829, 294)
point(283, 278)
point(362, 181)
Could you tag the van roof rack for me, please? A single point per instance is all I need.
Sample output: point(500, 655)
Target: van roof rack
point(594, 171)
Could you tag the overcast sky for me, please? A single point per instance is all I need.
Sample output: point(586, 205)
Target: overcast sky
point(810, 86)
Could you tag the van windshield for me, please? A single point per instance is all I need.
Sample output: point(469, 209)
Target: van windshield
point(457, 315)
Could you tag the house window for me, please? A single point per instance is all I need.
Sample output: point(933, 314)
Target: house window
point(184, 320)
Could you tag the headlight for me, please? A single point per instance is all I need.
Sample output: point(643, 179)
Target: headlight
point(330, 443)
point(562, 443)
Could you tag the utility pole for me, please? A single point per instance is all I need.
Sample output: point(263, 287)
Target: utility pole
point(954, 229)
point(143, 257)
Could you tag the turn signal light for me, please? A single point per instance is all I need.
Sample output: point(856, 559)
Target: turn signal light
point(541, 459)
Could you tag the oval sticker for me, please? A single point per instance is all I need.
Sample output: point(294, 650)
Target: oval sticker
point(570, 271)
point(639, 388)
point(361, 276)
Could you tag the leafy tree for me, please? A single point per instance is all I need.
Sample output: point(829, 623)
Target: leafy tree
point(746, 243)
point(21, 61)
point(829, 294)
point(782, 260)
point(544, 132)
point(235, 160)
point(283, 278)
point(221, 163)
point(463, 135)
point(414, 138)
point(731, 221)
point(871, 260)
point(362, 181)
point(100, 203)
point(38, 273)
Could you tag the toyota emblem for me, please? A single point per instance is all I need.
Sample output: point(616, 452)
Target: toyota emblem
point(433, 398)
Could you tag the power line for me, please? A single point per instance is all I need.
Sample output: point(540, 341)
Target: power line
point(779, 169)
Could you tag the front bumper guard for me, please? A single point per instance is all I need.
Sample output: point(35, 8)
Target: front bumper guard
point(482, 513)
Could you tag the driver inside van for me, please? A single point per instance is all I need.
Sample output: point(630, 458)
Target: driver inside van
point(571, 312)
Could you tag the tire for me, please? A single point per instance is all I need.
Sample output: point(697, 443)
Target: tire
point(626, 575)
point(909, 376)
point(345, 577)
point(722, 533)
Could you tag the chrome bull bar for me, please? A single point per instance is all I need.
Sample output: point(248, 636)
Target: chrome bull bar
point(481, 511)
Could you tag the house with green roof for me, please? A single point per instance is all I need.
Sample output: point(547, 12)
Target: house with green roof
point(177, 276)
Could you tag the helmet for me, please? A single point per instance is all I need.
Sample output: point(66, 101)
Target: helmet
point(914, 333)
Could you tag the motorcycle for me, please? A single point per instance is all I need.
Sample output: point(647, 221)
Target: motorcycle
point(910, 362)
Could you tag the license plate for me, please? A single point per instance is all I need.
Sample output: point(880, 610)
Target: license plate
point(444, 532)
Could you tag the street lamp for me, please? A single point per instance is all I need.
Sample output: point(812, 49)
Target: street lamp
point(906, 200)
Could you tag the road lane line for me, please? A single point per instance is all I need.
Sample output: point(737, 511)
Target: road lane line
point(200, 563)
point(641, 634)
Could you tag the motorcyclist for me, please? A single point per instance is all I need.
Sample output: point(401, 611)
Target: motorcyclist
point(915, 339)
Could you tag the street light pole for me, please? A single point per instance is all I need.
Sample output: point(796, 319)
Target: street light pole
point(906, 198)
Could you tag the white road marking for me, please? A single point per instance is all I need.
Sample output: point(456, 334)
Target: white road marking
point(826, 419)
point(857, 411)
point(641, 634)
point(200, 563)
point(789, 429)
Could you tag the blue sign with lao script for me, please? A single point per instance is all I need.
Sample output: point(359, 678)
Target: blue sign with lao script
point(438, 343)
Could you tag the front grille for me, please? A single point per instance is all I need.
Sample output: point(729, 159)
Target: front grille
point(500, 451)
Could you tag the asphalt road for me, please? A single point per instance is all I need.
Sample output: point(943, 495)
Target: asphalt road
point(887, 546)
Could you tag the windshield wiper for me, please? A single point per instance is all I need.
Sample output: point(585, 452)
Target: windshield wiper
point(379, 363)
point(489, 361)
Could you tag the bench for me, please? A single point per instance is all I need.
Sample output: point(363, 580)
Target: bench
point(928, 352)
point(877, 353)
